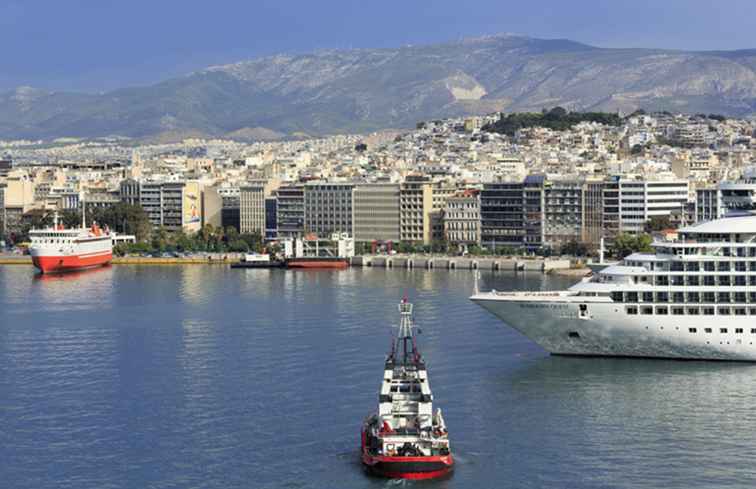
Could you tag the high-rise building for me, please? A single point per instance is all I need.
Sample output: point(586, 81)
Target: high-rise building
point(328, 208)
point(253, 213)
point(462, 218)
point(501, 215)
point(172, 205)
point(416, 204)
point(290, 213)
point(376, 212)
point(726, 198)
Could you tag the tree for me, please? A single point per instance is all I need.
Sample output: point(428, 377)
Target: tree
point(657, 223)
point(626, 244)
point(574, 248)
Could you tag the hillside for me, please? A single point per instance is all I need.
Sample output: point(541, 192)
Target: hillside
point(368, 89)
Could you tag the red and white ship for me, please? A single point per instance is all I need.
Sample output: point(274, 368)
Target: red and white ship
point(405, 439)
point(55, 249)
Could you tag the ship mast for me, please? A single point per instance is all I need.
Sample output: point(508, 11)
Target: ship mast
point(405, 338)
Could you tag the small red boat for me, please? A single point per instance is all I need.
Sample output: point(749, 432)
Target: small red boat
point(405, 439)
point(318, 262)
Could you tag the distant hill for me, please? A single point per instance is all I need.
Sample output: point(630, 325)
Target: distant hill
point(367, 89)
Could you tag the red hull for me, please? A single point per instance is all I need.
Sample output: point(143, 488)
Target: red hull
point(415, 468)
point(58, 264)
point(341, 264)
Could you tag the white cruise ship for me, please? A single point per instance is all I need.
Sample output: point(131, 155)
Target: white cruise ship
point(693, 298)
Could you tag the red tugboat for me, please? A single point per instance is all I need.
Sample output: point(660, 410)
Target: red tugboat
point(405, 439)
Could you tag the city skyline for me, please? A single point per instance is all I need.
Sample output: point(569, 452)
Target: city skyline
point(87, 47)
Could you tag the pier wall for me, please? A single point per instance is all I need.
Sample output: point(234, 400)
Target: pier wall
point(462, 263)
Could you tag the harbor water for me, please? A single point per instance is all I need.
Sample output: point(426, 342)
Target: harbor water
point(206, 377)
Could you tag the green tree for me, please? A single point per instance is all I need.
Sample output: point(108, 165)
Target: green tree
point(626, 244)
point(657, 223)
point(574, 248)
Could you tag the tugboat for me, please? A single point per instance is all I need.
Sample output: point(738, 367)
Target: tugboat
point(405, 439)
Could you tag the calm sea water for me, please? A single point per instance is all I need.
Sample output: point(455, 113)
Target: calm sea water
point(204, 377)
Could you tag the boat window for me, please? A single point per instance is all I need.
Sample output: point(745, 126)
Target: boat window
point(692, 280)
point(723, 311)
point(662, 297)
point(693, 311)
point(708, 266)
point(723, 266)
point(631, 310)
point(708, 311)
point(692, 330)
point(663, 310)
point(740, 297)
point(678, 311)
point(692, 266)
point(740, 311)
point(647, 310)
point(632, 297)
point(708, 330)
point(648, 297)
point(708, 296)
point(723, 297)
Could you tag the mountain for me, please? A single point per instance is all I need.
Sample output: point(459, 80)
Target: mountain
point(367, 89)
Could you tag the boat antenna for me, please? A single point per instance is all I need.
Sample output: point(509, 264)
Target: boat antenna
point(83, 213)
point(405, 334)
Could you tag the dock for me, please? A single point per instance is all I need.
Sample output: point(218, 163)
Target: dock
point(515, 264)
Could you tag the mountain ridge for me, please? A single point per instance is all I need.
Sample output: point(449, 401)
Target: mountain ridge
point(361, 90)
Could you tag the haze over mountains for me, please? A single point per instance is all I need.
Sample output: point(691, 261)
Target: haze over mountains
point(361, 90)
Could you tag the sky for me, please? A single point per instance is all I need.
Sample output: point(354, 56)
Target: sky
point(99, 45)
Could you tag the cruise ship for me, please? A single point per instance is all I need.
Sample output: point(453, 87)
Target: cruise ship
point(694, 297)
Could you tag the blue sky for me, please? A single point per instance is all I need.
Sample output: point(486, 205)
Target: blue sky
point(92, 45)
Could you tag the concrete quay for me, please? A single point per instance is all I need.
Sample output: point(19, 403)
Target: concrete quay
point(515, 264)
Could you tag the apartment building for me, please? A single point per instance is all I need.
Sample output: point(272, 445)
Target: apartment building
point(376, 212)
point(416, 204)
point(462, 218)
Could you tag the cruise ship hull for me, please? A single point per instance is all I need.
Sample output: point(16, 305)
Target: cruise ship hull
point(605, 329)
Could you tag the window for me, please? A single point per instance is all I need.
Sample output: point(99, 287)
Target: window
point(723, 266)
point(723, 330)
point(708, 266)
point(692, 280)
point(738, 330)
point(678, 280)
point(678, 311)
point(632, 297)
point(662, 297)
point(708, 280)
point(692, 330)
point(708, 311)
point(753, 330)
point(694, 297)
point(631, 310)
point(740, 280)
point(740, 266)
point(708, 330)
point(662, 310)
point(724, 280)
point(740, 311)
point(723, 297)
point(648, 297)
point(647, 310)
point(662, 280)
point(692, 266)
point(723, 311)
point(678, 297)
point(708, 296)
point(740, 297)
point(616, 296)
point(693, 311)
